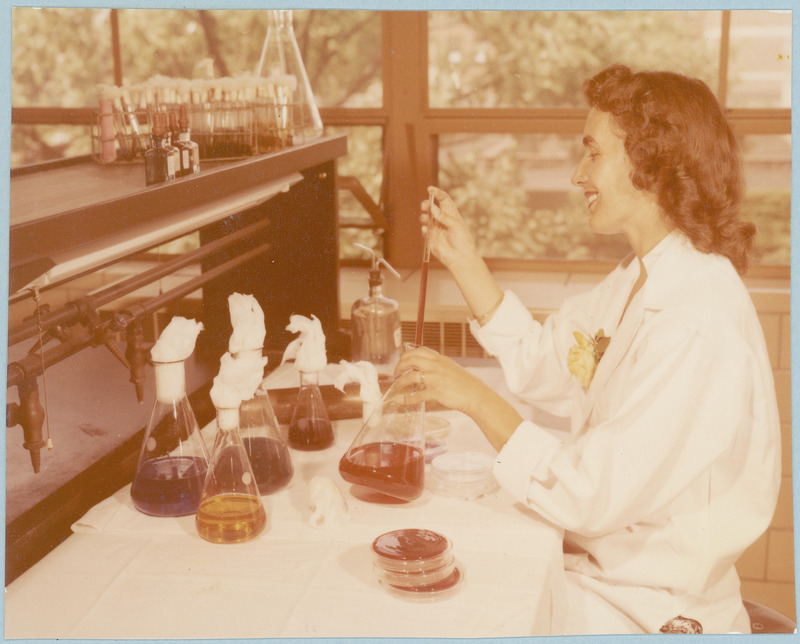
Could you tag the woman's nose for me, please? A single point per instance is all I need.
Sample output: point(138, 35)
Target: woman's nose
point(579, 176)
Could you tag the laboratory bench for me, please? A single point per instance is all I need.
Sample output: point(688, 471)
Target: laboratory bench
point(267, 226)
point(123, 574)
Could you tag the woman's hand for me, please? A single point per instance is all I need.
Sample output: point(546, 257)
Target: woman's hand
point(452, 243)
point(441, 379)
point(438, 378)
point(450, 239)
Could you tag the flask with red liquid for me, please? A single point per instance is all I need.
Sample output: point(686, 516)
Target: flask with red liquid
point(310, 428)
point(387, 457)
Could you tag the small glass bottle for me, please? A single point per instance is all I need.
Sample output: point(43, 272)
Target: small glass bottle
point(266, 449)
point(190, 151)
point(375, 322)
point(280, 57)
point(182, 168)
point(231, 510)
point(176, 155)
point(158, 162)
point(310, 428)
point(173, 459)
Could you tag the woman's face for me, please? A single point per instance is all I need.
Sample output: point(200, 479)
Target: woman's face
point(604, 171)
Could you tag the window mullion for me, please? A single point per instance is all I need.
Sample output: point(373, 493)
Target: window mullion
point(724, 57)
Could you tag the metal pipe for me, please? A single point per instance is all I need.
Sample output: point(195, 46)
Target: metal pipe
point(29, 413)
point(32, 364)
point(156, 303)
point(72, 312)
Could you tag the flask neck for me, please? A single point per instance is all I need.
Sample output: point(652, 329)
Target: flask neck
point(170, 381)
point(227, 419)
point(281, 20)
point(309, 379)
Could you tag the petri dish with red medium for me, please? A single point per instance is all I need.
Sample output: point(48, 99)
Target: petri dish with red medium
point(416, 564)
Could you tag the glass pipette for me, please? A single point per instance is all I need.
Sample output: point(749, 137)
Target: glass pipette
point(423, 278)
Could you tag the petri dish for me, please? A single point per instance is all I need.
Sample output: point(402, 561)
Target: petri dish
point(411, 550)
point(464, 465)
point(433, 448)
point(414, 579)
point(465, 475)
point(436, 426)
point(435, 592)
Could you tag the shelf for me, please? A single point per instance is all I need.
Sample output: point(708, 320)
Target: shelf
point(77, 217)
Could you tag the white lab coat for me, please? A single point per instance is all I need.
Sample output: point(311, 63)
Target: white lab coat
point(672, 466)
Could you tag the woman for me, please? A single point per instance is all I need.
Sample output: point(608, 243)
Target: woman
point(672, 466)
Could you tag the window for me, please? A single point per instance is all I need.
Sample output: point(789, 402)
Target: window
point(540, 58)
point(513, 187)
point(486, 103)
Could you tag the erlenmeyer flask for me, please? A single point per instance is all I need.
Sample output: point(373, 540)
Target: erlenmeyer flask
point(173, 458)
point(231, 510)
point(310, 428)
point(387, 456)
point(268, 454)
point(280, 59)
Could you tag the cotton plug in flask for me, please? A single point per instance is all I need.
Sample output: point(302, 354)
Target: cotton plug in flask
point(280, 58)
point(231, 510)
point(375, 322)
point(173, 459)
point(387, 457)
point(266, 449)
point(310, 428)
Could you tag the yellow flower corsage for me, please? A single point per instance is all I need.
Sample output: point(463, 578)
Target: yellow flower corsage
point(584, 357)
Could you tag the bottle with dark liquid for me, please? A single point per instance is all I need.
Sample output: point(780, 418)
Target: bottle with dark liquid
point(231, 510)
point(388, 456)
point(266, 449)
point(158, 161)
point(310, 428)
point(173, 459)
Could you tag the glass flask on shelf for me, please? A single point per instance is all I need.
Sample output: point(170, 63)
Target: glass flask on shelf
point(173, 459)
point(387, 457)
point(281, 60)
point(266, 449)
point(231, 510)
point(310, 428)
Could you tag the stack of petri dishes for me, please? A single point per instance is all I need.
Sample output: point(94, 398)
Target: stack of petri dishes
point(465, 475)
point(416, 565)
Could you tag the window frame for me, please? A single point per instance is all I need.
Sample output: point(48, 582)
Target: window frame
point(411, 129)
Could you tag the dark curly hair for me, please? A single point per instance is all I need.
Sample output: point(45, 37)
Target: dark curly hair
point(682, 149)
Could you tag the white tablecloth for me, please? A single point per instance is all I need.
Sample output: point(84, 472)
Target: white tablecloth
point(127, 575)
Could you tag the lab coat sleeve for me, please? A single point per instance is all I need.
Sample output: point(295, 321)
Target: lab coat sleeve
point(685, 399)
point(532, 355)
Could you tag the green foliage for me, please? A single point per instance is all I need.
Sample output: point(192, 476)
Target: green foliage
point(768, 209)
point(504, 221)
point(541, 58)
point(477, 58)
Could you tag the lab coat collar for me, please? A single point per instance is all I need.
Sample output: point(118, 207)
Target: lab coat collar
point(668, 265)
point(665, 262)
